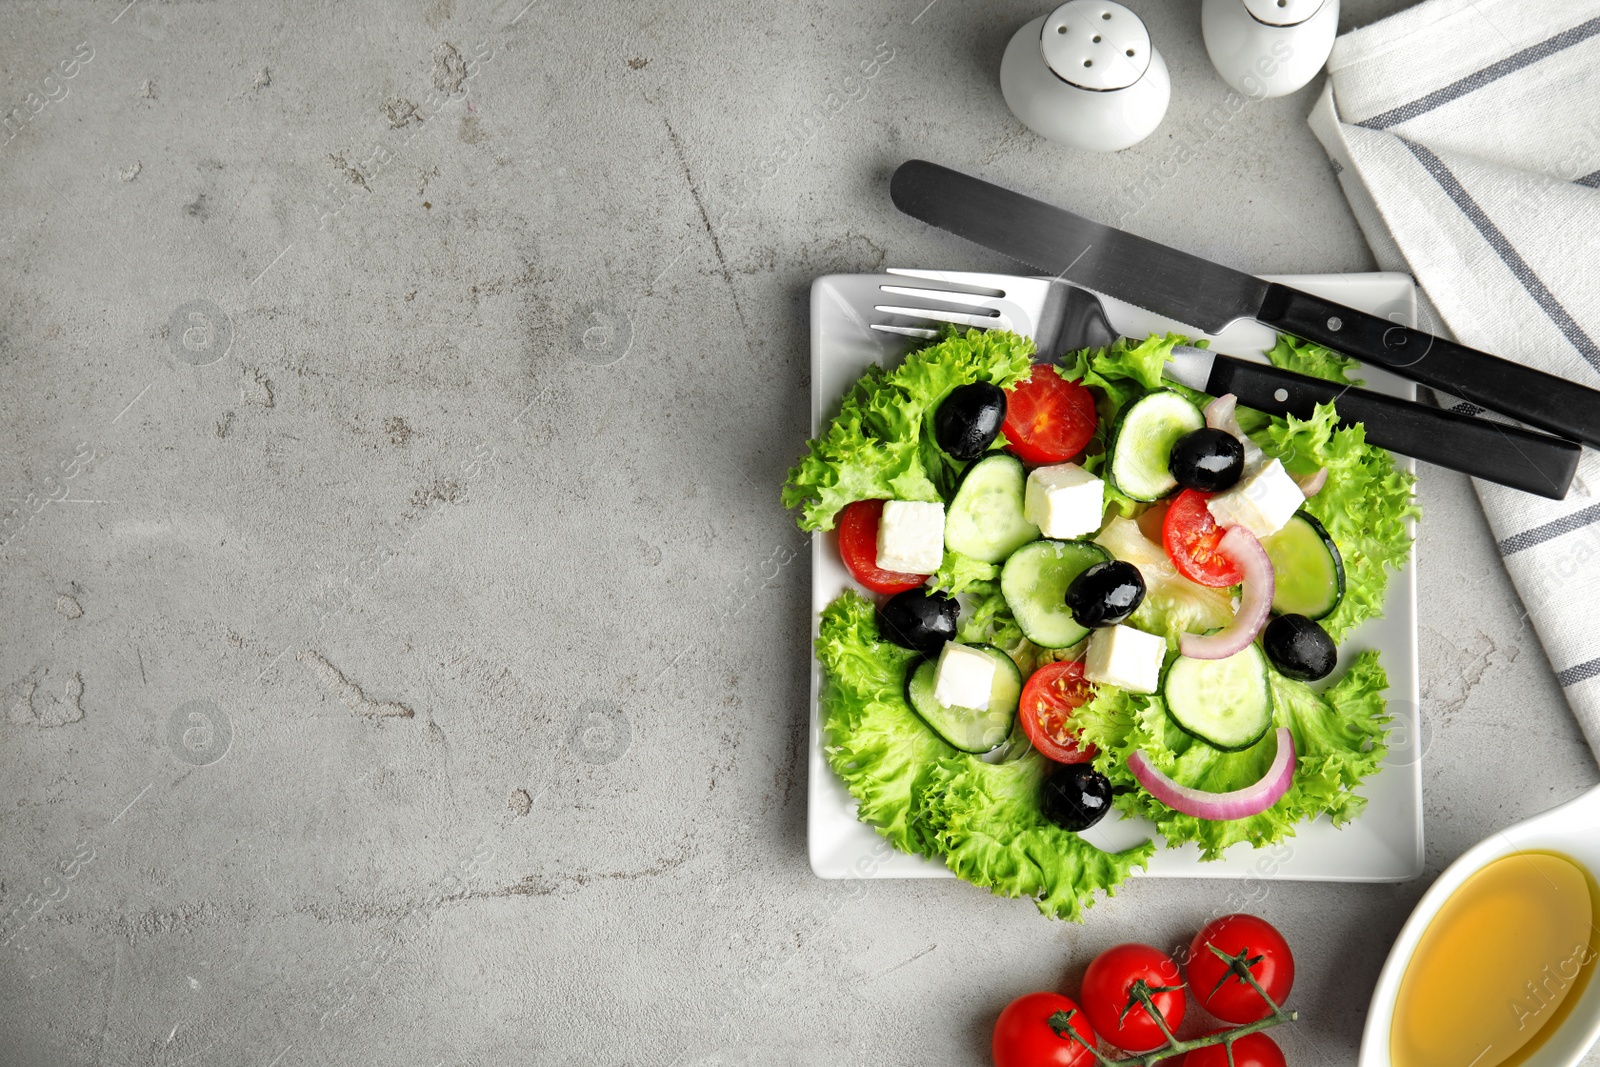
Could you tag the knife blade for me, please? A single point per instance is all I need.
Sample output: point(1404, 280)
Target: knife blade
point(1509, 455)
point(1209, 296)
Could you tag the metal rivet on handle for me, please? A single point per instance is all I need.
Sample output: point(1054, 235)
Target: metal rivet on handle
point(1280, 395)
point(1335, 323)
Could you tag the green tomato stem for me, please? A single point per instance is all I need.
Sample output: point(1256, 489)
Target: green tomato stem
point(1061, 1023)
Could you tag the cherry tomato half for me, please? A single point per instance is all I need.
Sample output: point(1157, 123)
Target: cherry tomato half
point(1052, 694)
point(1191, 536)
point(1048, 419)
point(858, 544)
point(1108, 988)
point(1251, 1050)
point(1023, 1036)
point(1223, 993)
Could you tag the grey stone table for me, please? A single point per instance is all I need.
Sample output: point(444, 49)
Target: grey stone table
point(403, 660)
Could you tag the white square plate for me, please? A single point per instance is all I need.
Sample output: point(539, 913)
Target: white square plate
point(1384, 844)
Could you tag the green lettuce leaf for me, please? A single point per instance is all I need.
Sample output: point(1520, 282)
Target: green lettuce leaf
point(959, 572)
point(1306, 357)
point(986, 619)
point(880, 445)
point(1338, 741)
point(872, 738)
point(990, 829)
point(1364, 506)
point(925, 797)
point(1126, 369)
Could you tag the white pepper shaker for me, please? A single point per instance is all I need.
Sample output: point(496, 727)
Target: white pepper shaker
point(1269, 47)
point(1087, 76)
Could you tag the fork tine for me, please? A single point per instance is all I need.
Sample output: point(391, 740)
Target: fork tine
point(907, 331)
point(999, 282)
point(986, 322)
point(947, 296)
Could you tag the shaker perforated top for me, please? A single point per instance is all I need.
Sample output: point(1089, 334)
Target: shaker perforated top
point(1096, 44)
point(1283, 12)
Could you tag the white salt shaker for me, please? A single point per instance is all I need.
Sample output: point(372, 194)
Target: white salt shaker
point(1087, 76)
point(1269, 47)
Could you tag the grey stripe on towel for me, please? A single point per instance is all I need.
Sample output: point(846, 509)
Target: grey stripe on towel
point(1551, 530)
point(1479, 78)
point(1507, 252)
point(1580, 672)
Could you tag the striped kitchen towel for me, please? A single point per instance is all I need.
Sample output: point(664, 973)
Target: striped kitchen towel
point(1466, 136)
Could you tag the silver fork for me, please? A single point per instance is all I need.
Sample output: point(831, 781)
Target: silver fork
point(1059, 317)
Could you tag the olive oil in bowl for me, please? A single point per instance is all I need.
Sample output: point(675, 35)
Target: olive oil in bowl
point(1500, 965)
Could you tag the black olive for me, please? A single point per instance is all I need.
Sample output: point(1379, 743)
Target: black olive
point(1299, 648)
point(1106, 593)
point(969, 419)
point(919, 619)
point(1075, 796)
point(1207, 459)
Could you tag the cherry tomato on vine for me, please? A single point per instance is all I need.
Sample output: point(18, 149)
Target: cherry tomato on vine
point(1223, 993)
point(1052, 694)
point(1109, 986)
point(1048, 419)
point(858, 545)
point(1024, 1036)
point(1251, 1050)
point(1191, 537)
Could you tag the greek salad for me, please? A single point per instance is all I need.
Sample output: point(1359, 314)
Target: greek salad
point(1086, 587)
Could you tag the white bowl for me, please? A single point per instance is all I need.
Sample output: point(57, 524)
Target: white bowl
point(1573, 830)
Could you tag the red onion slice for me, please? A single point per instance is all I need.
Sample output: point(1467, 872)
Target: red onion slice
point(1221, 414)
point(1239, 804)
point(1255, 600)
point(1311, 484)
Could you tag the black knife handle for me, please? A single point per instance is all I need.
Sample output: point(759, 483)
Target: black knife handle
point(1523, 393)
point(1510, 455)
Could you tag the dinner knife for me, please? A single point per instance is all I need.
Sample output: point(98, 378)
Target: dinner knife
point(1509, 455)
point(1208, 296)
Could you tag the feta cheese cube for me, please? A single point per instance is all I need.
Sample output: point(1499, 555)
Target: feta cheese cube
point(911, 537)
point(1261, 502)
point(1064, 501)
point(964, 677)
point(1123, 656)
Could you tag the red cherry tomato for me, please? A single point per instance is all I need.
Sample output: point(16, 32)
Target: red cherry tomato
point(1048, 419)
point(1023, 1036)
point(1251, 1050)
point(1223, 993)
point(1052, 694)
point(858, 544)
point(1191, 536)
point(1108, 989)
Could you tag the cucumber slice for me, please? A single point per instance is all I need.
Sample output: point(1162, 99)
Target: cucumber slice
point(1227, 703)
point(969, 729)
point(1034, 583)
point(1308, 572)
point(1141, 447)
point(985, 519)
